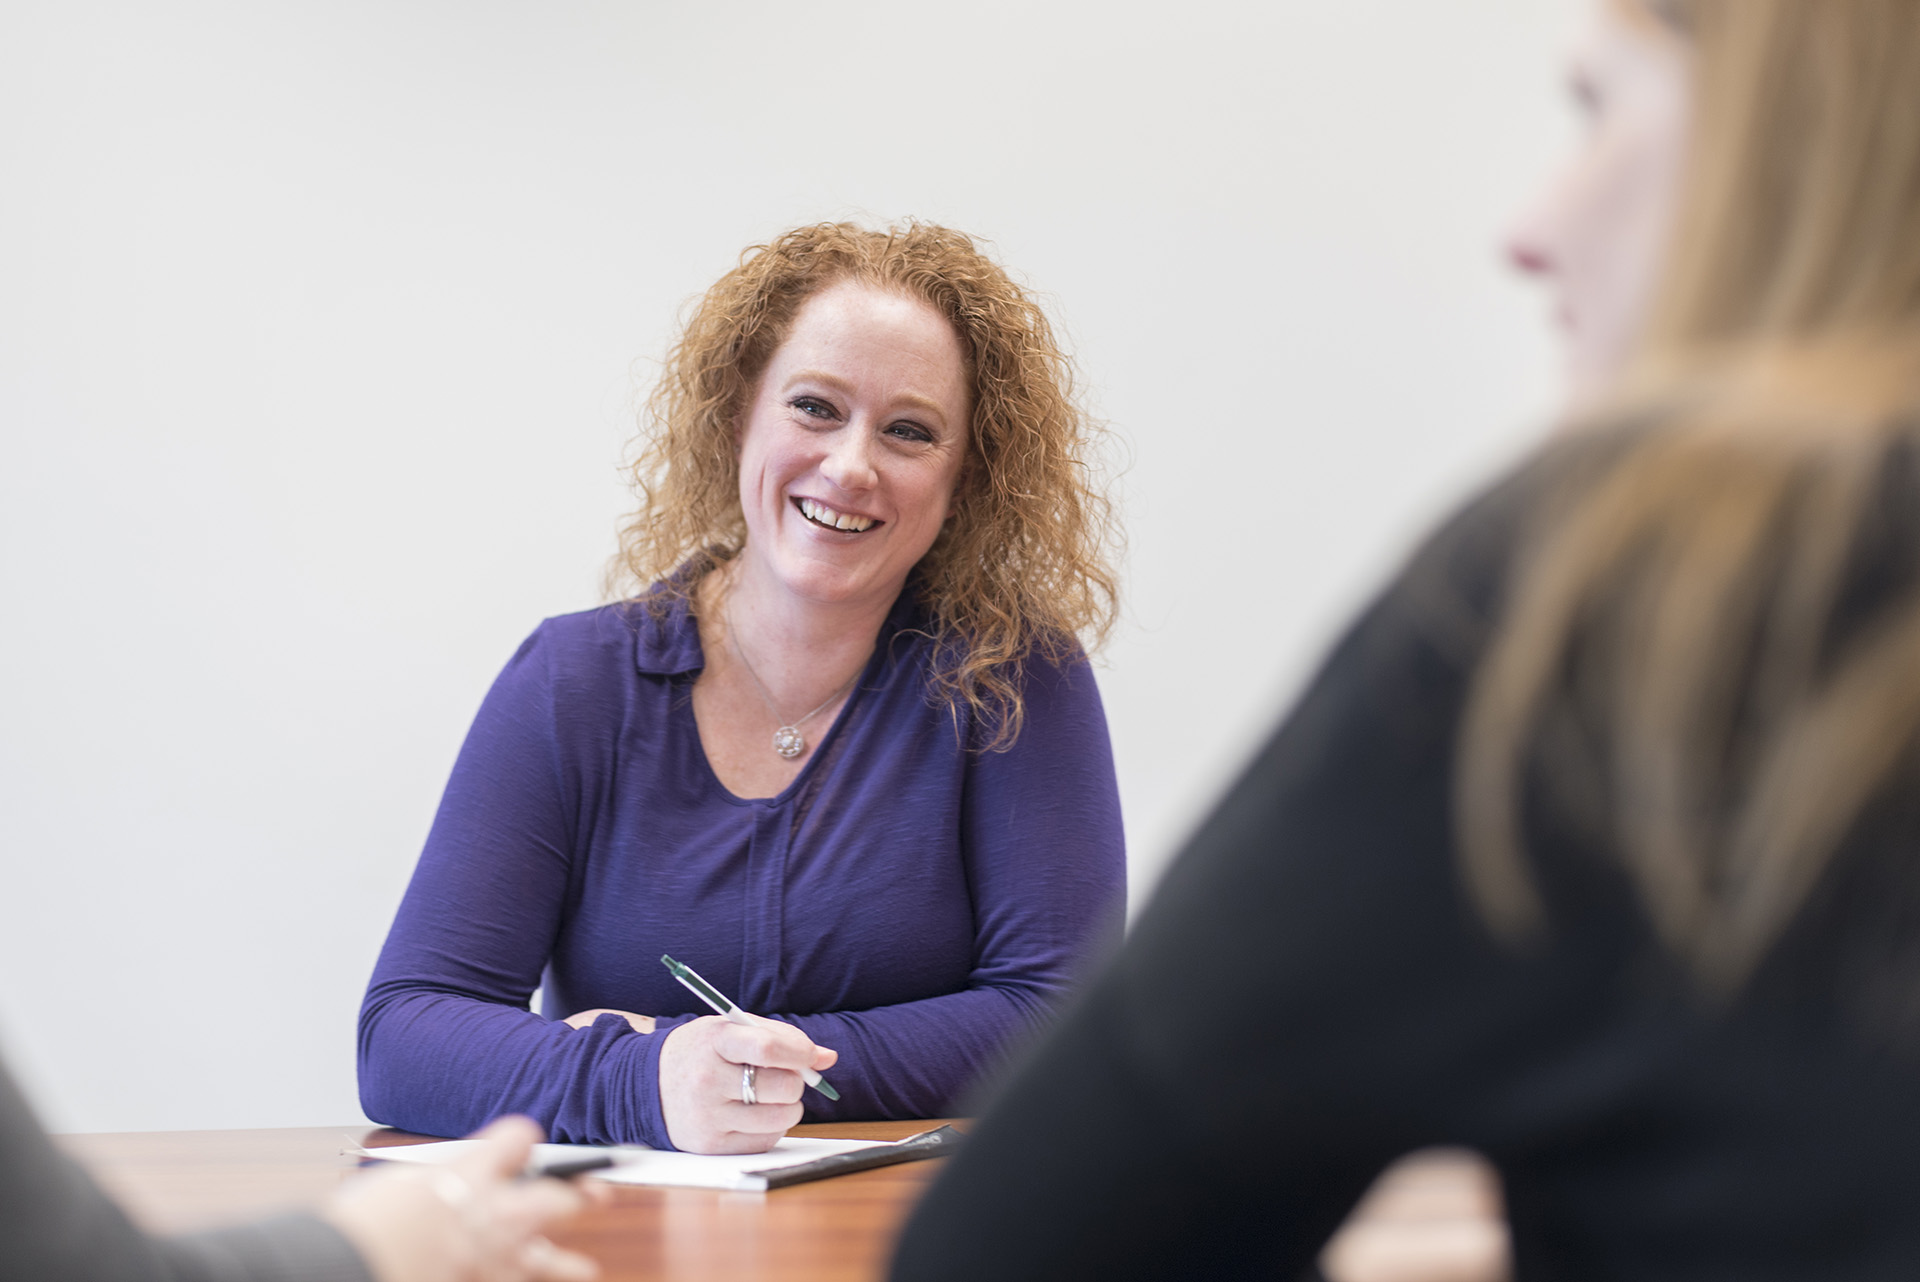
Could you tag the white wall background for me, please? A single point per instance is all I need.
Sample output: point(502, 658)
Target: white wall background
point(321, 329)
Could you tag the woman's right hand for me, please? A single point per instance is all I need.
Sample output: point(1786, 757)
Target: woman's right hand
point(702, 1067)
point(472, 1220)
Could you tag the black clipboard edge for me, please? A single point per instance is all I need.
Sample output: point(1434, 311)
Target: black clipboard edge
point(938, 1142)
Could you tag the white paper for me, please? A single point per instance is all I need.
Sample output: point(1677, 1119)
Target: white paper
point(647, 1165)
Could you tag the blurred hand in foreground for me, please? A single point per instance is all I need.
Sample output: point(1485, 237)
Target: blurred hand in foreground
point(472, 1220)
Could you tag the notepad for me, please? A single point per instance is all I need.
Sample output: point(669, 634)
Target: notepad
point(792, 1161)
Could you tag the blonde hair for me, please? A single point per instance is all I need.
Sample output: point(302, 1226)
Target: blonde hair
point(1678, 592)
point(1022, 568)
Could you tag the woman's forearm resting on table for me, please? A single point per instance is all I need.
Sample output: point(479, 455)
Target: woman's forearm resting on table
point(439, 1064)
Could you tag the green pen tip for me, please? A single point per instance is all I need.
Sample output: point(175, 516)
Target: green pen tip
point(671, 964)
point(826, 1088)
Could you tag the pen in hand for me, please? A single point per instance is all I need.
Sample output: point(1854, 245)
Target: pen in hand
point(724, 1007)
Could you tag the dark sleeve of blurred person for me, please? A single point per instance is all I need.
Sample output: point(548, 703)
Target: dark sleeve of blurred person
point(57, 1226)
point(1311, 994)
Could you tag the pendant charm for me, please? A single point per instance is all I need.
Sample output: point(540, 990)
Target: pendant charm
point(789, 742)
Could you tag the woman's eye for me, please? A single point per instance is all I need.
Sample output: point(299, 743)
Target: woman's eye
point(910, 432)
point(812, 408)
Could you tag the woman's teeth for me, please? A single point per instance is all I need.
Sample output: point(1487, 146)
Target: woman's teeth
point(821, 514)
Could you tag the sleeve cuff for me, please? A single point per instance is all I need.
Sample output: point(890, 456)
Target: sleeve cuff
point(291, 1248)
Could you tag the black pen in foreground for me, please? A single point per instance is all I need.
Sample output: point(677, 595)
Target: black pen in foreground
point(723, 1006)
point(560, 1168)
point(567, 1168)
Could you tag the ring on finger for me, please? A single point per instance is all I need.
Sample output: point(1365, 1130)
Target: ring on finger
point(747, 1094)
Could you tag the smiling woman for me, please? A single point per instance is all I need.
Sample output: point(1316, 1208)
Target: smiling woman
point(1023, 561)
point(839, 749)
point(850, 450)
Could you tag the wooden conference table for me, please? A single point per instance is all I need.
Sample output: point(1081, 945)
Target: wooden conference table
point(1434, 1218)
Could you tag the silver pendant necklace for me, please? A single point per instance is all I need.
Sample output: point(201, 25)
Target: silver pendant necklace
point(787, 740)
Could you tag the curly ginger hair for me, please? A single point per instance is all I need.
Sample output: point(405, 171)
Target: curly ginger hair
point(1024, 565)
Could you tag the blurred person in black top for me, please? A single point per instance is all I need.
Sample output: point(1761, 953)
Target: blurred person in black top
point(1595, 844)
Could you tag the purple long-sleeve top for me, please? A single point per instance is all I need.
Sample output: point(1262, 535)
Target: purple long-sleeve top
point(910, 901)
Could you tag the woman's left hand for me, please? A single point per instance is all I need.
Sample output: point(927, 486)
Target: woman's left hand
point(703, 1072)
point(641, 1023)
